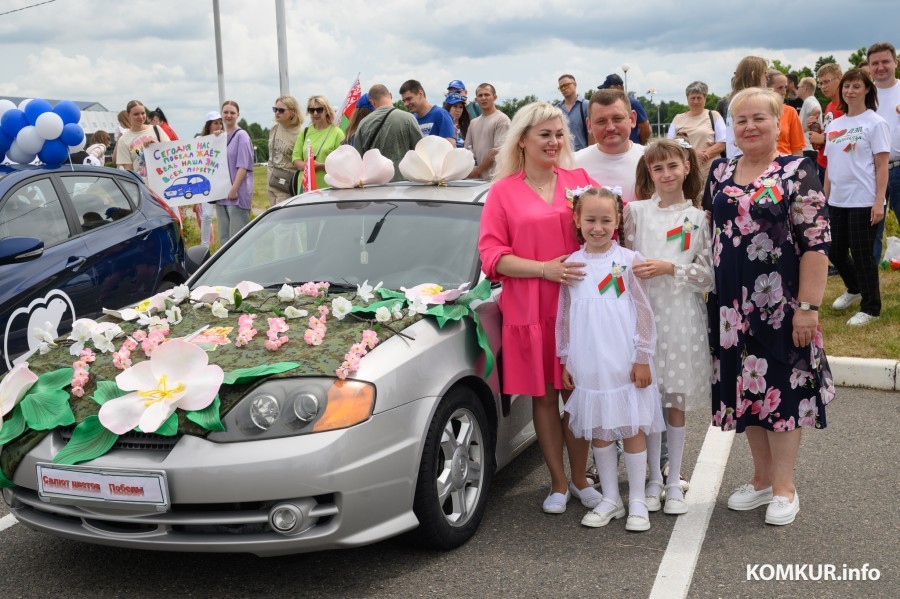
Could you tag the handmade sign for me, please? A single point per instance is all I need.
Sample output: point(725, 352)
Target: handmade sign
point(189, 171)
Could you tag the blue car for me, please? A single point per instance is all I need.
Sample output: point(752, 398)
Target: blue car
point(76, 239)
point(187, 187)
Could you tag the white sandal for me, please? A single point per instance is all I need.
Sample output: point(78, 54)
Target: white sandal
point(637, 522)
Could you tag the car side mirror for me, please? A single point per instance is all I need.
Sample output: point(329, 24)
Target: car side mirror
point(195, 257)
point(20, 249)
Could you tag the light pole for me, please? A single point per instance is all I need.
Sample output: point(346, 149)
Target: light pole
point(652, 92)
point(625, 68)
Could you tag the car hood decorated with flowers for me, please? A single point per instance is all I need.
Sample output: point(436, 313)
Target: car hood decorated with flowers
point(180, 361)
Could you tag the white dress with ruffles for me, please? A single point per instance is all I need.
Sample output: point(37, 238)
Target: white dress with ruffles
point(683, 361)
point(600, 335)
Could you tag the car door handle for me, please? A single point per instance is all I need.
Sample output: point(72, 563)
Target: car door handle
point(74, 262)
point(144, 232)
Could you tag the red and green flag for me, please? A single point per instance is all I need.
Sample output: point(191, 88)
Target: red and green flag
point(769, 190)
point(309, 169)
point(349, 106)
point(683, 233)
point(613, 280)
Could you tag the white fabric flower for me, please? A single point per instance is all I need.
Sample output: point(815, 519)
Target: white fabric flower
point(177, 375)
point(219, 310)
point(365, 291)
point(103, 335)
point(417, 306)
point(345, 168)
point(287, 293)
point(44, 336)
point(397, 310)
point(173, 315)
point(435, 162)
point(82, 330)
point(340, 307)
point(13, 388)
point(382, 314)
point(292, 312)
point(180, 293)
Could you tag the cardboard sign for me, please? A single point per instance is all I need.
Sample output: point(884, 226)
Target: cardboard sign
point(189, 171)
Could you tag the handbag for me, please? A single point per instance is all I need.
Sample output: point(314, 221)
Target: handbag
point(280, 179)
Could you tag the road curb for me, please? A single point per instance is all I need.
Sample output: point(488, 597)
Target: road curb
point(865, 372)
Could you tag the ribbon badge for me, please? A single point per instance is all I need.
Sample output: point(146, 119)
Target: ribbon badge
point(769, 190)
point(614, 280)
point(683, 232)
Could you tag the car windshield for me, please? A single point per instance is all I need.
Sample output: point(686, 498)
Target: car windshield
point(400, 243)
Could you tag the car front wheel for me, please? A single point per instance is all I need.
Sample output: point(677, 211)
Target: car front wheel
point(188, 195)
point(455, 473)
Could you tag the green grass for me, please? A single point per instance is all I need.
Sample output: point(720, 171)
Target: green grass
point(878, 340)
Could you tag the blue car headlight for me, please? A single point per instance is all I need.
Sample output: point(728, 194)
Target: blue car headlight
point(298, 406)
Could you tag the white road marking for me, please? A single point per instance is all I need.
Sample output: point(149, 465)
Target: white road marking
point(7, 521)
point(673, 579)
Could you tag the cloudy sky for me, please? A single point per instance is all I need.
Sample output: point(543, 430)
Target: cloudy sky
point(162, 52)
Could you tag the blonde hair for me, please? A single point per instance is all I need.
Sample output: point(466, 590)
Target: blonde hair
point(511, 159)
point(830, 68)
point(773, 101)
point(664, 149)
point(290, 102)
point(809, 84)
point(603, 193)
point(329, 111)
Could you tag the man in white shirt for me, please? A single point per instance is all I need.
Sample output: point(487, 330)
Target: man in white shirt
point(613, 160)
point(487, 132)
point(883, 66)
point(810, 112)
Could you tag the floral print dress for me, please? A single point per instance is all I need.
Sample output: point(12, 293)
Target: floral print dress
point(760, 232)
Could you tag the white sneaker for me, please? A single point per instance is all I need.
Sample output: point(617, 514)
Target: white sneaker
point(846, 300)
point(781, 511)
point(861, 318)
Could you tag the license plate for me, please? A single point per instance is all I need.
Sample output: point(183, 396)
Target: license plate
point(71, 484)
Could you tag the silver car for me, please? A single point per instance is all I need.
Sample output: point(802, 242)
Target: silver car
point(423, 459)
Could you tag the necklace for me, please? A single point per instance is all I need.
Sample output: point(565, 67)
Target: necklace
point(539, 186)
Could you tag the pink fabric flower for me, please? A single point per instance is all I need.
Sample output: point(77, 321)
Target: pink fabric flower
point(139, 335)
point(729, 325)
point(783, 425)
point(807, 412)
point(754, 373)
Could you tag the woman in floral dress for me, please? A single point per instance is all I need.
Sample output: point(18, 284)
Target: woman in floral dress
point(770, 242)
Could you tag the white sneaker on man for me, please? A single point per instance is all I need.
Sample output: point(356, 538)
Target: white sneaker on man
point(861, 318)
point(846, 300)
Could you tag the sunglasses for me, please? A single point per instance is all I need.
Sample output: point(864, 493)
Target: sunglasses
point(317, 110)
point(565, 86)
point(279, 110)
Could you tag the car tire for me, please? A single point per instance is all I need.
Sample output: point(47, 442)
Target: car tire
point(455, 473)
point(188, 195)
point(206, 193)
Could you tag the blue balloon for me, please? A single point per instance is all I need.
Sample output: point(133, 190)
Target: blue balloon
point(72, 134)
point(36, 108)
point(54, 152)
point(68, 111)
point(12, 121)
point(5, 141)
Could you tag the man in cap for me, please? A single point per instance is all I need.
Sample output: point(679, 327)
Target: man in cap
point(640, 132)
point(459, 87)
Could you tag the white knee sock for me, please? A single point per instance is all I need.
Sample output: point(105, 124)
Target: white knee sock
point(607, 468)
point(654, 449)
point(636, 468)
point(676, 453)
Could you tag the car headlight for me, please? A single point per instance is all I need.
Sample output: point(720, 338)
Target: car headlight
point(299, 406)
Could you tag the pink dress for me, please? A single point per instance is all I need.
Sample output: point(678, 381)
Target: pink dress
point(517, 221)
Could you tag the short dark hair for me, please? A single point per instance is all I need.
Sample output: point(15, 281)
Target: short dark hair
point(411, 86)
point(572, 77)
point(793, 78)
point(882, 47)
point(608, 97)
point(871, 92)
point(493, 90)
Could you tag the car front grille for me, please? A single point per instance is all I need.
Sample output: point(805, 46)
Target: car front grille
point(134, 440)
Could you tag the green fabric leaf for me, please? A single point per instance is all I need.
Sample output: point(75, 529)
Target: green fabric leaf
point(107, 390)
point(208, 417)
point(169, 428)
point(452, 312)
point(47, 409)
point(13, 426)
point(371, 308)
point(246, 375)
point(482, 291)
point(277, 312)
point(238, 299)
point(90, 440)
point(484, 344)
point(5, 483)
point(51, 381)
point(390, 294)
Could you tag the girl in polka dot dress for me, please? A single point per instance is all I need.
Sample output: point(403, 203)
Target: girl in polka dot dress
point(673, 234)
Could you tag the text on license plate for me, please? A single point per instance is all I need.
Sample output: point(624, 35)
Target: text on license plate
point(107, 485)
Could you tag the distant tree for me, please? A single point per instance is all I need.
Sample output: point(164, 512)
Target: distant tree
point(858, 56)
point(784, 68)
point(711, 101)
point(399, 105)
point(511, 106)
point(823, 60)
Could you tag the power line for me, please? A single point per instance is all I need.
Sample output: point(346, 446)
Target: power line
point(25, 7)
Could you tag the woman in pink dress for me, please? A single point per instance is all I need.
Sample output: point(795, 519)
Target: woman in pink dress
point(527, 234)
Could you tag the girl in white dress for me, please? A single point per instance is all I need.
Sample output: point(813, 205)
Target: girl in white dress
point(605, 338)
point(674, 236)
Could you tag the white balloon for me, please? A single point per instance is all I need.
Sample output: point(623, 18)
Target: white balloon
point(16, 154)
point(29, 141)
point(49, 125)
point(5, 105)
point(78, 147)
point(24, 103)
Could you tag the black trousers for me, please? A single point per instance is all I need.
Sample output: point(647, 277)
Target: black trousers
point(852, 235)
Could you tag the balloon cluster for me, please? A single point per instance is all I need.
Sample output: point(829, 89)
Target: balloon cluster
point(34, 128)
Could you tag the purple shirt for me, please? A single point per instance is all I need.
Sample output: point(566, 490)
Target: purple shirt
point(240, 155)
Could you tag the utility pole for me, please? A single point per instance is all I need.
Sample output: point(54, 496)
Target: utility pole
point(218, 32)
point(281, 28)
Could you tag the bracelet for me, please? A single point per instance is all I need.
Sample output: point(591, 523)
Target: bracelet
point(542, 269)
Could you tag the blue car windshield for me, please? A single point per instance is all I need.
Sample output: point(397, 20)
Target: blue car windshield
point(400, 243)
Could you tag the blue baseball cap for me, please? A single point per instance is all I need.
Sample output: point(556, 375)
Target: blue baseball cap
point(456, 84)
point(364, 102)
point(454, 98)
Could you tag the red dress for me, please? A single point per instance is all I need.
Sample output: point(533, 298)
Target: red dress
point(517, 221)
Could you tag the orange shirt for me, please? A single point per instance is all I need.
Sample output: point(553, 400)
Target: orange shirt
point(790, 139)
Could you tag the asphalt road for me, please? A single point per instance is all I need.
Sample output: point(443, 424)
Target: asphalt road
point(846, 477)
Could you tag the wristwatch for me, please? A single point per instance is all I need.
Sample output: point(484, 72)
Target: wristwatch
point(807, 307)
